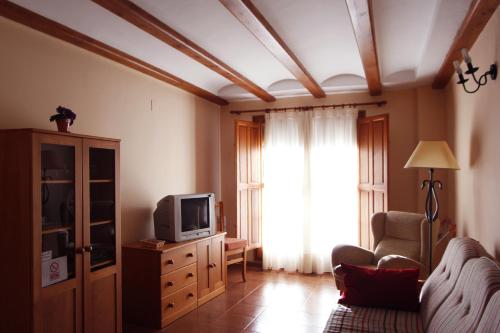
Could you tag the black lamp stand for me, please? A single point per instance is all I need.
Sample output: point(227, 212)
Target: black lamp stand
point(431, 215)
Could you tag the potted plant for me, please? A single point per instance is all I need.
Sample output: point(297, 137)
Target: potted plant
point(64, 118)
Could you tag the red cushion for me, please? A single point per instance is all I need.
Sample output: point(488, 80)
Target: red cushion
point(385, 288)
point(234, 243)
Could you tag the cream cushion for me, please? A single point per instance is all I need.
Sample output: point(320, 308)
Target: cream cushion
point(403, 247)
point(397, 262)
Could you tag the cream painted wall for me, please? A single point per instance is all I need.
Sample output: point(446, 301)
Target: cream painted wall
point(432, 125)
point(408, 111)
point(173, 148)
point(474, 131)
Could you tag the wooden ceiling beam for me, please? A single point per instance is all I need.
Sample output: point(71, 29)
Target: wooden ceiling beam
point(35, 21)
point(361, 15)
point(254, 21)
point(480, 12)
point(150, 24)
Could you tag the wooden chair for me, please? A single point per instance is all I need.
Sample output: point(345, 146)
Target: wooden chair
point(235, 248)
point(236, 252)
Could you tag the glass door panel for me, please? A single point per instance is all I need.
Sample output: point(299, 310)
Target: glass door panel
point(102, 207)
point(58, 213)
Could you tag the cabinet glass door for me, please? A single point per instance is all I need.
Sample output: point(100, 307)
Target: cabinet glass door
point(102, 207)
point(58, 213)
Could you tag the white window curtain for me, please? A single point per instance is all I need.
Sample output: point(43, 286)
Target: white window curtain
point(310, 196)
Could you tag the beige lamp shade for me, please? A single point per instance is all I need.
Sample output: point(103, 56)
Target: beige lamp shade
point(432, 154)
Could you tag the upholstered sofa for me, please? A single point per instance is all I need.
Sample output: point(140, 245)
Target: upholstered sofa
point(461, 295)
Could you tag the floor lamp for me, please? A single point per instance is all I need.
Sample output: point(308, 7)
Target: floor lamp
point(432, 155)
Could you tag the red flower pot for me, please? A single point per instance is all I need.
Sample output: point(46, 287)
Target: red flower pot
point(63, 125)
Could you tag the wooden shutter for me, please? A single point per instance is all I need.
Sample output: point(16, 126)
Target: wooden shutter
point(373, 143)
point(249, 182)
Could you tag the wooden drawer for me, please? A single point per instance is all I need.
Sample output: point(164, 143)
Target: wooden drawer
point(179, 303)
point(171, 282)
point(183, 256)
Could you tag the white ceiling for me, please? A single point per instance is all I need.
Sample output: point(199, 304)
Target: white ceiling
point(412, 38)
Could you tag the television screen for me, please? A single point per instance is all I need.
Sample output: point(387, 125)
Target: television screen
point(195, 214)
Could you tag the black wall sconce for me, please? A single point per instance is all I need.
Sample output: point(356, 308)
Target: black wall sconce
point(471, 70)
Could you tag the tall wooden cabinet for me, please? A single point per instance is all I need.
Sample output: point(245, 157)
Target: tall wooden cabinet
point(59, 232)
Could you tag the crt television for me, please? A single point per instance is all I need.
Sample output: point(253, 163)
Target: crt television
point(185, 216)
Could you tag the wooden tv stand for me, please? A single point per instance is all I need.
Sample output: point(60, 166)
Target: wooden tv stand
point(162, 285)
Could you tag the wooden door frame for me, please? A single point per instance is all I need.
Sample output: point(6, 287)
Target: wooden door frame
point(237, 166)
point(371, 186)
point(259, 126)
point(88, 276)
point(39, 293)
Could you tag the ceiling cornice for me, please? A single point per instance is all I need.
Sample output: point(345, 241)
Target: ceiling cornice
point(254, 21)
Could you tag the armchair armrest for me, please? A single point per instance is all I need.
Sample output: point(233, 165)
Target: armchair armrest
point(348, 254)
point(351, 254)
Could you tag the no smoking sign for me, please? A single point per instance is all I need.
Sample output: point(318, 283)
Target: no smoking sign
point(54, 267)
point(54, 270)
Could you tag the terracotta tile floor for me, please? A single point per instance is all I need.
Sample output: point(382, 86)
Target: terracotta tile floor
point(267, 302)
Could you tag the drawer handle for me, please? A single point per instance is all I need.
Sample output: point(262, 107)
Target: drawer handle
point(190, 255)
point(211, 265)
point(190, 275)
point(170, 261)
point(214, 265)
point(170, 284)
point(190, 295)
point(170, 305)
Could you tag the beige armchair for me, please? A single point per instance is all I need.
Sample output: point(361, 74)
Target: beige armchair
point(400, 240)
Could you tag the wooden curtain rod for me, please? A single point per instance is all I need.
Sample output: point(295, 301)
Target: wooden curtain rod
point(311, 107)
